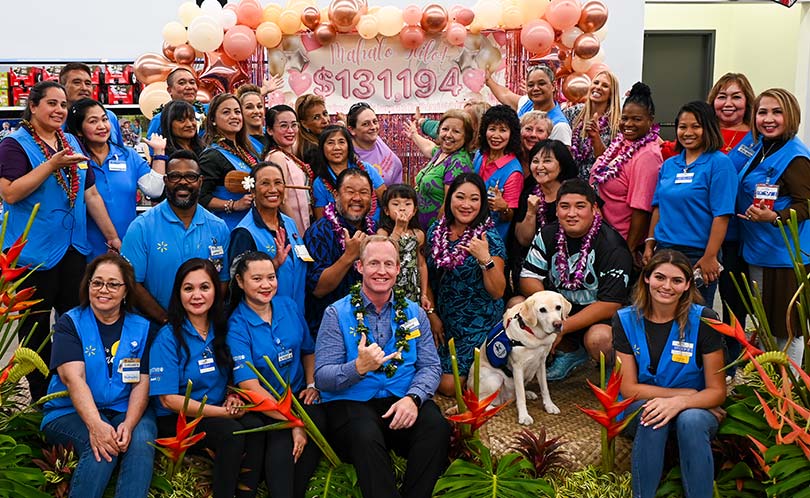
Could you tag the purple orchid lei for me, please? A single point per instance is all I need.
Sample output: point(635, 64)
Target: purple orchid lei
point(620, 151)
point(541, 206)
point(581, 143)
point(561, 261)
point(330, 213)
point(449, 259)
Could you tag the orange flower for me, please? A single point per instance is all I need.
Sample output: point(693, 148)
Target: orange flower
point(7, 370)
point(258, 402)
point(611, 408)
point(477, 413)
point(8, 258)
point(175, 447)
point(19, 301)
point(734, 330)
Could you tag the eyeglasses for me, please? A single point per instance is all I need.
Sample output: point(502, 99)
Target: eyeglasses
point(112, 285)
point(359, 106)
point(177, 177)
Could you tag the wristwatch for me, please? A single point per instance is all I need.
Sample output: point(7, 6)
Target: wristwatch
point(488, 265)
point(416, 399)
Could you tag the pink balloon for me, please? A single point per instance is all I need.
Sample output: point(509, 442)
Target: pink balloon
point(537, 37)
point(239, 42)
point(596, 69)
point(474, 79)
point(249, 13)
point(563, 14)
point(464, 16)
point(411, 37)
point(456, 34)
point(412, 15)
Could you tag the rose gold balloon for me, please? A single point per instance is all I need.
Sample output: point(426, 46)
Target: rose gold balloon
point(434, 18)
point(206, 91)
point(185, 54)
point(411, 37)
point(344, 14)
point(168, 51)
point(594, 16)
point(311, 17)
point(586, 46)
point(575, 87)
point(150, 68)
point(219, 74)
point(325, 33)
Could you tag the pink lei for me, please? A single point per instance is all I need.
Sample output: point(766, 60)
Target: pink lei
point(449, 259)
point(617, 154)
point(330, 213)
point(561, 262)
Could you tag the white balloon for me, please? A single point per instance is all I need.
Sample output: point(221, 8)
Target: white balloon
point(602, 33)
point(228, 18)
point(569, 36)
point(211, 7)
point(600, 56)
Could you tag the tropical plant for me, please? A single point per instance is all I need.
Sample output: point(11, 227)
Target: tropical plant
point(331, 481)
point(174, 448)
point(17, 478)
point(543, 453)
point(592, 482)
point(57, 464)
point(193, 480)
point(507, 477)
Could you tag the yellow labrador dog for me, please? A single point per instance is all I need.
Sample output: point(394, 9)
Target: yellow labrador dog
point(516, 352)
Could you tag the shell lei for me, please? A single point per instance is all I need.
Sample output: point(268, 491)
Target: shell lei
point(617, 154)
point(561, 258)
point(330, 213)
point(400, 303)
point(447, 258)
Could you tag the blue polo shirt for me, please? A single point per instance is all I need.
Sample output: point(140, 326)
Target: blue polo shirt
point(117, 183)
point(285, 342)
point(690, 197)
point(170, 368)
point(321, 196)
point(158, 242)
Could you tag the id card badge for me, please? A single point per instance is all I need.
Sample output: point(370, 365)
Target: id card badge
point(302, 253)
point(765, 195)
point(216, 251)
point(206, 365)
point(746, 150)
point(684, 177)
point(117, 166)
point(130, 370)
point(285, 356)
point(682, 351)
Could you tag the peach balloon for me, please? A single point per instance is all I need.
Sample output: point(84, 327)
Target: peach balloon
point(434, 19)
point(344, 14)
point(389, 20)
point(464, 16)
point(455, 34)
point(412, 15)
point(153, 96)
point(411, 37)
point(569, 36)
point(586, 46)
point(575, 87)
point(580, 65)
point(175, 33)
point(325, 33)
point(512, 18)
point(205, 35)
point(563, 14)
point(289, 21)
point(150, 68)
point(311, 17)
point(271, 13)
point(597, 68)
point(594, 16)
point(532, 9)
point(268, 35)
point(185, 54)
point(368, 27)
point(187, 12)
point(249, 13)
point(239, 43)
point(537, 37)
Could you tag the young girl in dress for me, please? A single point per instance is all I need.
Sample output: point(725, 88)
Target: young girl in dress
point(399, 221)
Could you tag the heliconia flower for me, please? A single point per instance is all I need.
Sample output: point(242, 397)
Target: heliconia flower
point(735, 331)
point(760, 456)
point(770, 416)
point(175, 447)
point(261, 403)
point(477, 413)
point(611, 407)
point(8, 258)
point(5, 372)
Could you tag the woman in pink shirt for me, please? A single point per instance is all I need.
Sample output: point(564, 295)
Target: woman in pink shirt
point(626, 174)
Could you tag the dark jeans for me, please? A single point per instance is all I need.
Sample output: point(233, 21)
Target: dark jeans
point(736, 265)
point(363, 437)
point(59, 289)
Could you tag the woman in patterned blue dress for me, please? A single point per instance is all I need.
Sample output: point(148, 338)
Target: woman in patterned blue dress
point(465, 264)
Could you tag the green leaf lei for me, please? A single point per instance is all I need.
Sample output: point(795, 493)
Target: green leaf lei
point(400, 303)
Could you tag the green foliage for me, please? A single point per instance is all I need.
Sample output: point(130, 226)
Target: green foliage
point(591, 482)
point(58, 464)
point(790, 471)
point(17, 478)
point(509, 476)
point(192, 480)
point(333, 482)
point(737, 482)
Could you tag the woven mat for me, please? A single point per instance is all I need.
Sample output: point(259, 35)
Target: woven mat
point(580, 433)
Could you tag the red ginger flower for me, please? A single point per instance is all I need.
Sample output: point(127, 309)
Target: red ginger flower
point(9, 257)
point(258, 402)
point(19, 301)
point(611, 408)
point(477, 413)
point(735, 331)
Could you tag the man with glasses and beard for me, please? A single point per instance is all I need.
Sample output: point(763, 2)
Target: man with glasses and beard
point(334, 242)
point(177, 229)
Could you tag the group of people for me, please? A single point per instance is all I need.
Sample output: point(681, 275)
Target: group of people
point(351, 282)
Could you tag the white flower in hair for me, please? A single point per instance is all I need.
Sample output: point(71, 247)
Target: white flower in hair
point(248, 183)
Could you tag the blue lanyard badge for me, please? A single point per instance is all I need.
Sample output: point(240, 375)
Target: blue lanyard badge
point(206, 364)
point(216, 253)
point(682, 351)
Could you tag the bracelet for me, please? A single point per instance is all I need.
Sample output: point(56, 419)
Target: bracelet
point(649, 239)
point(430, 311)
point(311, 385)
point(229, 206)
point(160, 157)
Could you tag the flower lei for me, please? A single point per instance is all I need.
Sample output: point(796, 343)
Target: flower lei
point(199, 108)
point(330, 187)
point(581, 143)
point(238, 151)
point(301, 164)
point(390, 368)
point(447, 258)
point(541, 207)
point(71, 171)
point(561, 262)
point(330, 213)
point(617, 154)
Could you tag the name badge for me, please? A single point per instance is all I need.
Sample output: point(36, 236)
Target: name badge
point(746, 150)
point(413, 335)
point(117, 166)
point(215, 251)
point(82, 165)
point(684, 177)
point(285, 356)
point(302, 253)
point(130, 370)
point(682, 351)
point(206, 365)
point(411, 325)
point(765, 195)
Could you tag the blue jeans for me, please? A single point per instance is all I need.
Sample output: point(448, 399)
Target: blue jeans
point(91, 477)
point(694, 429)
point(706, 291)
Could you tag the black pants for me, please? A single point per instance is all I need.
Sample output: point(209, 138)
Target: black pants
point(58, 288)
point(237, 459)
point(736, 265)
point(363, 437)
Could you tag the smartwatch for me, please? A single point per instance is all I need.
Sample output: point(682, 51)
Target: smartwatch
point(488, 265)
point(416, 399)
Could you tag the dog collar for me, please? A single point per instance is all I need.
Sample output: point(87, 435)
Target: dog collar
point(521, 323)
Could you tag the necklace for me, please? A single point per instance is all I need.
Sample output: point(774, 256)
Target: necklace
point(330, 213)
point(617, 154)
point(236, 150)
point(568, 281)
point(400, 303)
point(447, 258)
point(301, 164)
point(70, 182)
point(581, 143)
point(765, 153)
point(730, 143)
point(541, 206)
